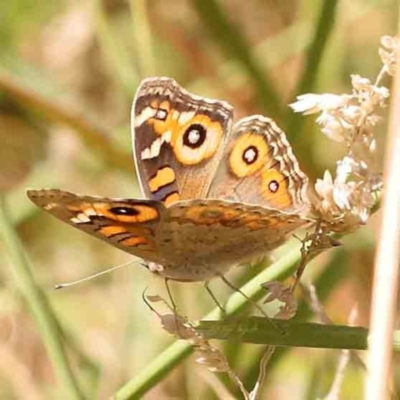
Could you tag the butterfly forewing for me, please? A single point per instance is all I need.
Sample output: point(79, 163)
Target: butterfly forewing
point(130, 225)
point(178, 139)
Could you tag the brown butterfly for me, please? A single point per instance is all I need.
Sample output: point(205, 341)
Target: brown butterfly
point(217, 195)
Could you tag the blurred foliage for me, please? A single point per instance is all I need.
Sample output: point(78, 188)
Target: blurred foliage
point(68, 73)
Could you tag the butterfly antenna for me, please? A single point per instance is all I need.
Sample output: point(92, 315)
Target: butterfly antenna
point(146, 301)
point(67, 284)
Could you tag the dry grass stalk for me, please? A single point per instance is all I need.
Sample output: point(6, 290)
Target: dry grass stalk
point(385, 287)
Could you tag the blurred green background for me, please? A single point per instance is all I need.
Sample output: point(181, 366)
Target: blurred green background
point(68, 73)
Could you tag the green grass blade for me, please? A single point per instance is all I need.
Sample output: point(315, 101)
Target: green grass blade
point(233, 43)
point(40, 308)
point(258, 330)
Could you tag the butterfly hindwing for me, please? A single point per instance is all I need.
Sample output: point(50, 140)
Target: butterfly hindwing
point(203, 238)
point(178, 140)
point(259, 167)
point(130, 225)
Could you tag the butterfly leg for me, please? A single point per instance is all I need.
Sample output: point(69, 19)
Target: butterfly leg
point(297, 276)
point(219, 305)
point(171, 299)
point(251, 301)
point(174, 307)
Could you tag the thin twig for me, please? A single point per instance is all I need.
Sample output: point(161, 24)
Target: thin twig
point(334, 391)
point(215, 384)
point(312, 245)
point(344, 359)
point(255, 393)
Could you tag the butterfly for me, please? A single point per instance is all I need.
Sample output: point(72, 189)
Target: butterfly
point(218, 194)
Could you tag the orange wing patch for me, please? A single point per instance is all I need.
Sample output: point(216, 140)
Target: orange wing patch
point(119, 212)
point(193, 138)
point(171, 199)
point(129, 239)
point(165, 176)
point(165, 118)
point(133, 241)
point(274, 188)
point(249, 154)
point(211, 214)
point(127, 213)
point(196, 140)
point(112, 230)
point(227, 214)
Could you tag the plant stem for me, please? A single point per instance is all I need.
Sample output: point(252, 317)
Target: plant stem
point(386, 278)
